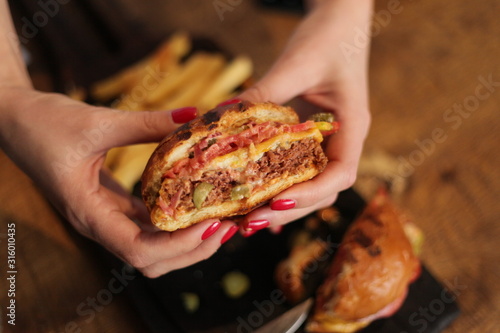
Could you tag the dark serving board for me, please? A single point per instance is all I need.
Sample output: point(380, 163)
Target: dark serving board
point(428, 308)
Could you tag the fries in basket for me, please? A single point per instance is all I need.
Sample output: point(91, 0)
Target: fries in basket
point(171, 77)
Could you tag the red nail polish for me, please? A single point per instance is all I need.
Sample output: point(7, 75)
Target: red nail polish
point(283, 204)
point(257, 225)
point(211, 230)
point(230, 233)
point(230, 101)
point(183, 115)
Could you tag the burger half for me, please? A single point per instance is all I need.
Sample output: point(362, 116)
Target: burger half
point(231, 160)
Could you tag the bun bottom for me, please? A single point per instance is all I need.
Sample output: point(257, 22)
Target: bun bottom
point(229, 208)
point(328, 325)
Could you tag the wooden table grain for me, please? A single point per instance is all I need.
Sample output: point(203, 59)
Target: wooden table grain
point(435, 100)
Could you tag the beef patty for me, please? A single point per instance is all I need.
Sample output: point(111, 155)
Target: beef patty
point(272, 166)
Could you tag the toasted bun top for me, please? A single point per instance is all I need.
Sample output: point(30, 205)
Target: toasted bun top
point(375, 262)
point(221, 119)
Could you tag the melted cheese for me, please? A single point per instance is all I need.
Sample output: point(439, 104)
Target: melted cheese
point(239, 158)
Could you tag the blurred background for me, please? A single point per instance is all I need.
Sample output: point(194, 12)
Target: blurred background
point(83, 41)
point(434, 139)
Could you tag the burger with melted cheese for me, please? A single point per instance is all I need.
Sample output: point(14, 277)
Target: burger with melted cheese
point(229, 161)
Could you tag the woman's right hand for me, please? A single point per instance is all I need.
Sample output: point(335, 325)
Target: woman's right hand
point(61, 144)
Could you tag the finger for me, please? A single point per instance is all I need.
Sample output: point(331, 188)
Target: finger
point(135, 210)
point(119, 128)
point(335, 178)
point(277, 218)
point(132, 207)
point(202, 252)
point(343, 151)
point(114, 230)
point(346, 146)
point(352, 112)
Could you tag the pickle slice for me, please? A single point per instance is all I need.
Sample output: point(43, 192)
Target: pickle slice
point(240, 191)
point(200, 194)
point(324, 126)
point(323, 116)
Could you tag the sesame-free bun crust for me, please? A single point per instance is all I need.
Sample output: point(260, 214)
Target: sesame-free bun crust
point(176, 146)
point(370, 273)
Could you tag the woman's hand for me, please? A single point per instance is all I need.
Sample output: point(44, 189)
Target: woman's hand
point(61, 144)
point(322, 65)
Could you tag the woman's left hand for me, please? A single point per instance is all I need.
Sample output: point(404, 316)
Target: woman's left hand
point(315, 67)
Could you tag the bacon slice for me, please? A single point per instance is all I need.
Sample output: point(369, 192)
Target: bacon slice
point(215, 146)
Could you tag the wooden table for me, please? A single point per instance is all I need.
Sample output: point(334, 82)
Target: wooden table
point(433, 110)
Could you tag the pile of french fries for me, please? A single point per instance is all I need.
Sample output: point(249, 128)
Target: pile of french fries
point(172, 77)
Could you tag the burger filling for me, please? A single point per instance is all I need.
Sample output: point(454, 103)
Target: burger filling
point(232, 167)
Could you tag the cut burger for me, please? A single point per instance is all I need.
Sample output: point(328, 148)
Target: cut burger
point(229, 161)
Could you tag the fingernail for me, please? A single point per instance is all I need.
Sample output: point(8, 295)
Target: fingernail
point(183, 115)
point(248, 233)
point(211, 230)
point(230, 101)
point(230, 233)
point(257, 225)
point(283, 204)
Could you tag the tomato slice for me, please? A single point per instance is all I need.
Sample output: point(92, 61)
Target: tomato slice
point(210, 148)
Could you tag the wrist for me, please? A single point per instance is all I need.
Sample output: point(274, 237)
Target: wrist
point(339, 21)
point(11, 108)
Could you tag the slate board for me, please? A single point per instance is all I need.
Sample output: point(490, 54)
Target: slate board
point(429, 307)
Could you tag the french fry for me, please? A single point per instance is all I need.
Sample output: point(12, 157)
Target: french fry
point(189, 93)
point(166, 55)
point(130, 164)
point(112, 157)
point(204, 108)
point(180, 78)
point(167, 86)
point(204, 80)
point(118, 83)
point(172, 51)
point(238, 70)
point(77, 93)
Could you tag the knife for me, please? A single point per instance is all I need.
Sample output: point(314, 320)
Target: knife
point(289, 321)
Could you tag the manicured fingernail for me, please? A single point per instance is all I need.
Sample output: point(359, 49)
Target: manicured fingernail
point(283, 204)
point(248, 233)
point(183, 115)
point(257, 225)
point(211, 230)
point(230, 101)
point(230, 233)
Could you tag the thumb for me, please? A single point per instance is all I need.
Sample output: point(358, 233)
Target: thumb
point(131, 127)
